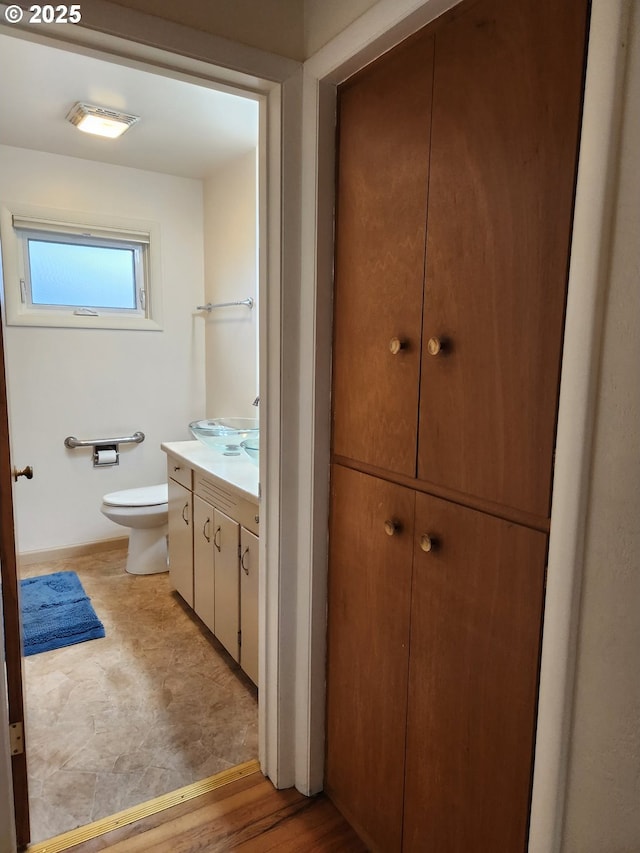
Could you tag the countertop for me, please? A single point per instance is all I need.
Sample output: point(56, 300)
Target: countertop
point(235, 471)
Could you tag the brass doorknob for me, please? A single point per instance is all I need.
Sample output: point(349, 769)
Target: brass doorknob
point(434, 346)
point(25, 472)
point(427, 543)
point(395, 345)
point(391, 527)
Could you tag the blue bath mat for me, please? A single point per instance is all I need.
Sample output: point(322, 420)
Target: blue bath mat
point(56, 612)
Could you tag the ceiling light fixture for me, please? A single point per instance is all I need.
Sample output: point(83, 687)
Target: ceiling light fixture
point(100, 121)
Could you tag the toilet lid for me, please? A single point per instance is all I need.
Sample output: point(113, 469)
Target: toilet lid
point(144, 496)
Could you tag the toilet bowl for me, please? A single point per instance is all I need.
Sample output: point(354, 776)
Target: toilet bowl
point(145, 512)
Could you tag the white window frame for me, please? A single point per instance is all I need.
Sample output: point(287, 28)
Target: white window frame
point(19, 223)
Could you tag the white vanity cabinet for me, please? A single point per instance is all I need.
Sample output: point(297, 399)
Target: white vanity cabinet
point(226, 542)
point(249, 603)
point(203, 551)
point(213, 558)
point(181, 539)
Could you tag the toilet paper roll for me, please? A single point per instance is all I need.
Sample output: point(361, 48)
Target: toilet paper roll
point(106, 457)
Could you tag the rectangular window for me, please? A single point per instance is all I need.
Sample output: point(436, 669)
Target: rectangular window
point(71, 273)
point(78, 274)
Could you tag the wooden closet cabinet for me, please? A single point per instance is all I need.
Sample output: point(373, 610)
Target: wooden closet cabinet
point(476, 609)
point(368, 647)
point(384, 130)
point(433, 677)
point(456, 174)
point(457, 156)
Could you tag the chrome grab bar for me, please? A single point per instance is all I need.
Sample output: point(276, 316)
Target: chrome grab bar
point(210, 305)
point(72, 441)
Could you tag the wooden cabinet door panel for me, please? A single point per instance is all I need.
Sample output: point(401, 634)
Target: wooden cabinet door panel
point(384, 119)
point(181, 540)
point(203, 577)
point(506, 108)
point(226, 540)
point(475, 637)
point(368, 646)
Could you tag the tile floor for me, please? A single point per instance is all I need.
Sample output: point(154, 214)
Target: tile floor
point(155, 705)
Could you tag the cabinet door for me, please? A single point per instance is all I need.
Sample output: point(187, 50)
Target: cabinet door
point(181, 540)
point(506, 110)
point(203, 576)
point(380, 240)
point(473, 677)
point(226, 541)
point(368, 648)
point(249, 581)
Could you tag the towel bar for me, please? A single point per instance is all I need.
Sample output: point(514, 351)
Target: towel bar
point(211, 305)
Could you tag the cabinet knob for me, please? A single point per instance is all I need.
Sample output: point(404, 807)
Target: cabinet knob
point(206, 526)
point(217, 536)
point(391, 527)
point(439, 346)
point(428, 543)
point(185, 514)
point(395, 345)
point(435, 346)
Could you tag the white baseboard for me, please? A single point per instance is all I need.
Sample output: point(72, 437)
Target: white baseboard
point(28, 558)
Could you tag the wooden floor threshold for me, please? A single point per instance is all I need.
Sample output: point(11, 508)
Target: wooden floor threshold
point(182, 795)
point(239, 810)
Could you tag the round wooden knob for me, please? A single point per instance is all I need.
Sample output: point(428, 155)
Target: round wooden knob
point(395, 345)
point(434, 346)
point(427, 543)
point(391, 527)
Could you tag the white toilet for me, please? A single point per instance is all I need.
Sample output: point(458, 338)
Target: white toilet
point(145, 511)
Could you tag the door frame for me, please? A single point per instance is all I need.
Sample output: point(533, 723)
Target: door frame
point(11, 688)
point(140, 40)
point(375, 32)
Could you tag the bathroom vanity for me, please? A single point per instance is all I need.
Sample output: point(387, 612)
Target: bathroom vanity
point(213, 544)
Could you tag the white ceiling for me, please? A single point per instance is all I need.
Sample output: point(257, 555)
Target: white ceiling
point(185, 129)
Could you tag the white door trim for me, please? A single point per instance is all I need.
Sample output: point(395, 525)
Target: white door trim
point(387, 23)
point(7, 817)
point(588, 281)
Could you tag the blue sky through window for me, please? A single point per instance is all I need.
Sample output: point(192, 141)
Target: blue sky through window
point(84, 276)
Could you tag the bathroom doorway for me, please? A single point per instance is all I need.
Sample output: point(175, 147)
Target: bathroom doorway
point(110, 372)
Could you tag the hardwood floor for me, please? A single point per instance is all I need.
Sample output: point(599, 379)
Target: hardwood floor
point(245, 815)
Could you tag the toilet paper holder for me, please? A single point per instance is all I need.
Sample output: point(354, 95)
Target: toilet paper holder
point(106, 454)
point(105, 450)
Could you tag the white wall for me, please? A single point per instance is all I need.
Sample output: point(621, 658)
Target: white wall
point(275, 26)
point(292, 28)
point(230, 256)
point(324, 19)
point(101, 383)
point(603, 794)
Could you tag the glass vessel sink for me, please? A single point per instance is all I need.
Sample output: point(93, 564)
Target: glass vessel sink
point(251, 447)
point(225, 434)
